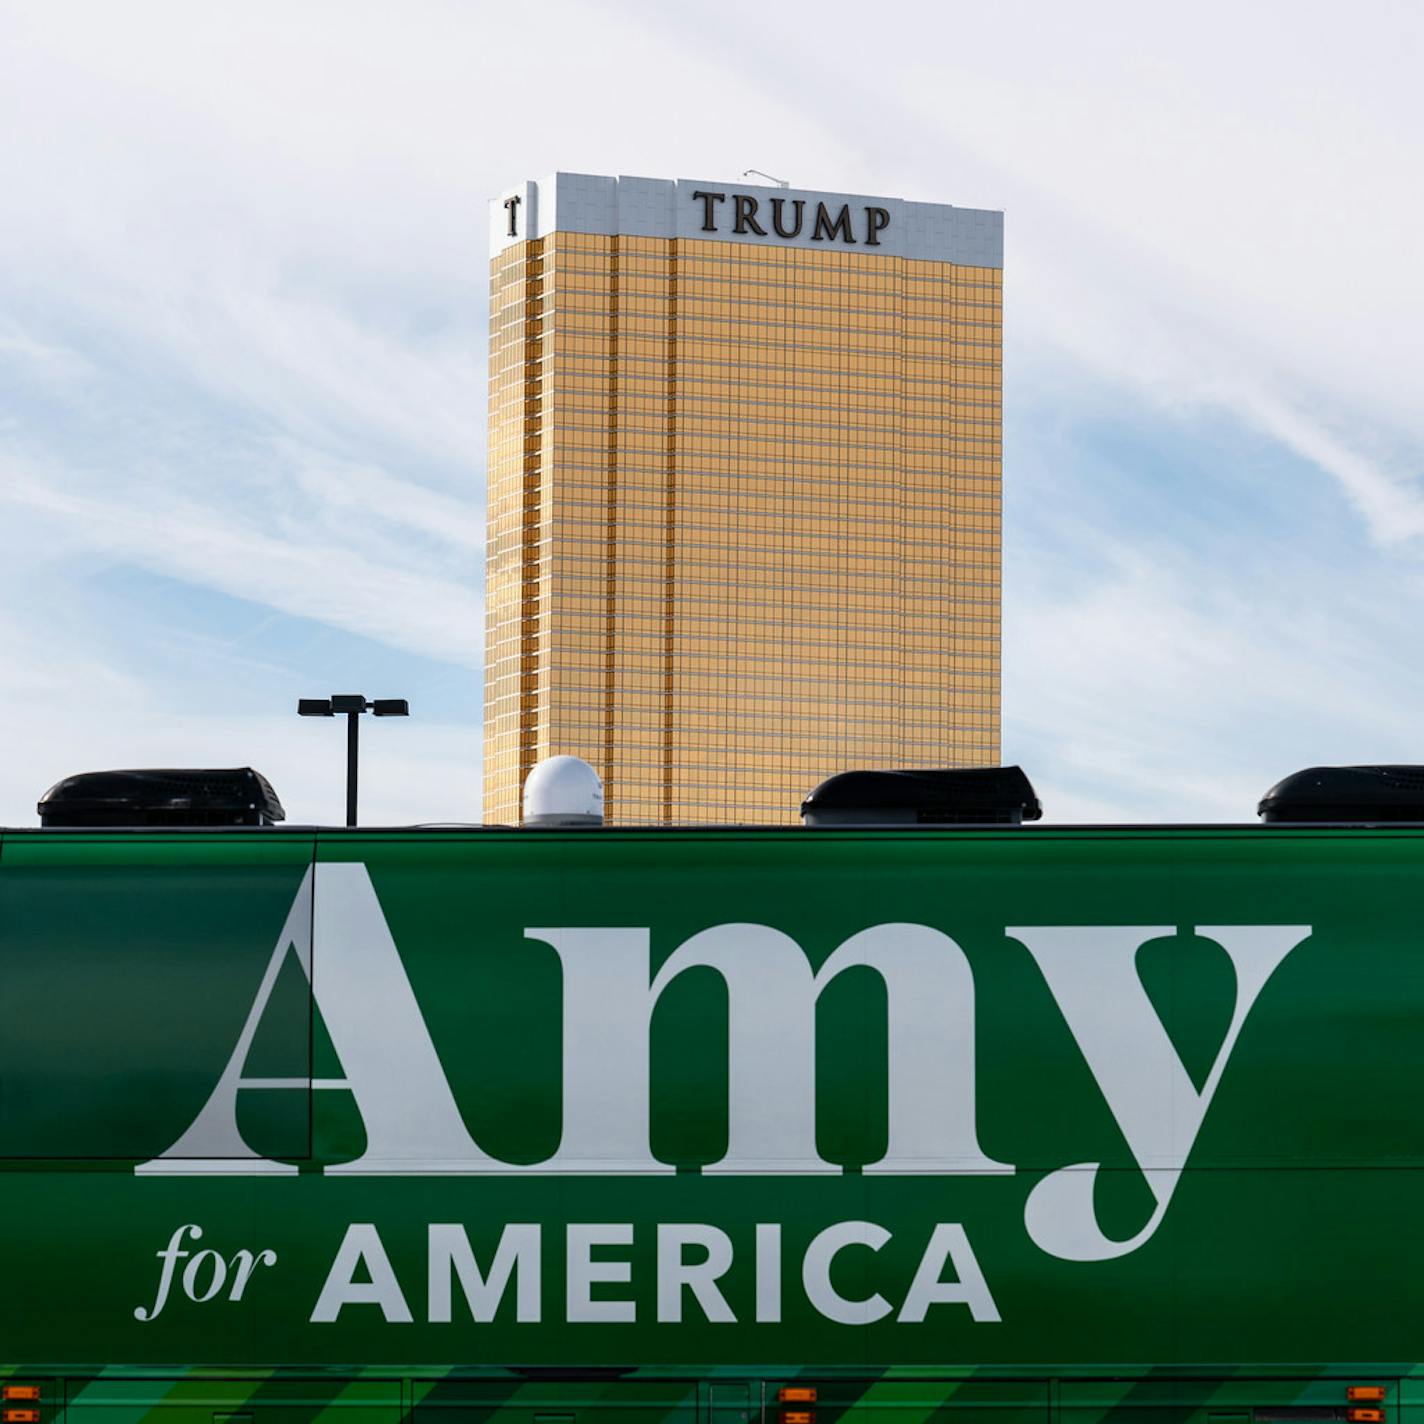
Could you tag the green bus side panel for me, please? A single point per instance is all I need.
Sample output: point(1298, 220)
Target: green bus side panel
point(402, 1124)
point(279, 1400)
point(593, 1401)
point(128, 969)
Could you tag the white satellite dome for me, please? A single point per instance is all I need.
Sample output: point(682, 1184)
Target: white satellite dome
point(563, 791)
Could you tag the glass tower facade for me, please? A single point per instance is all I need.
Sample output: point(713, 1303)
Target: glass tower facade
point(744, 492)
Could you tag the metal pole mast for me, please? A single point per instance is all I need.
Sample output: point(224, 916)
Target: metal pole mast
point(353, 722)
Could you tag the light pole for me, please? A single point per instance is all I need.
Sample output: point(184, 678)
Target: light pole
point(353, 704)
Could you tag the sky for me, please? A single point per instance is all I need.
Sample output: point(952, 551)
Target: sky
point(242, 374)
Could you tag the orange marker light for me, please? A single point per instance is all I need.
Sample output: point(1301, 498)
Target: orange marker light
point(800, 1394)
point(798, 1416)
point(1365, 1416)
point(22, 1391)
point(1362, 1392)
point(22, 1416)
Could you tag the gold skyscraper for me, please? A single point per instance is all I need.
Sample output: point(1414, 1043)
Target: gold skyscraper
point(744, 491)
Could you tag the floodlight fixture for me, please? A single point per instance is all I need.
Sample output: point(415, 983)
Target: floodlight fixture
point(351, 705)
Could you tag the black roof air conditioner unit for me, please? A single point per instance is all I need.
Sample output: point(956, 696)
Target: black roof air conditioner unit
point(1356, 794)
point(971, 796)
point(235, 797)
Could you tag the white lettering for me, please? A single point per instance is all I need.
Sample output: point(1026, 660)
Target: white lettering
point(193, 1270)
point(170, 1255)
point(675, 1274)
point(212, 1142)
point(771, 993)
point(1092, 973)
point(361, 1246)
point(930, 991)
point(948, 1243)
point(816, 1273)
point(692, 1259)
point(413, 1125)
point(239, 1270)
point(516, 1255)
point(771, 1064)
point(243, 1264)
point(583, 1272)
point(605, 1099)
point(392, 1070)
point(768, 1273)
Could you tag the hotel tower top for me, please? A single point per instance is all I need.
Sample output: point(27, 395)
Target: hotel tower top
point(744, 490)
point(790, 217)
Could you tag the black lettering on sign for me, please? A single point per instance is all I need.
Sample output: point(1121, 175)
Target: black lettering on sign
point(708, 225)
point(745, 208)
point(826, 228)
point(511, 206)
point(776, 207)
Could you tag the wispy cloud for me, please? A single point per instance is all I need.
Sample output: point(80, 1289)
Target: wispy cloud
point(311, 575)
point(242, 272)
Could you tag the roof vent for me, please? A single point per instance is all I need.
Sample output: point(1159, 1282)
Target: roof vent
point(563, 791)
point(236, 797)
point(1357, 794)
point(972, 796)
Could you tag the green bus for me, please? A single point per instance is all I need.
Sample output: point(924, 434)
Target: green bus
point(727, 1126)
